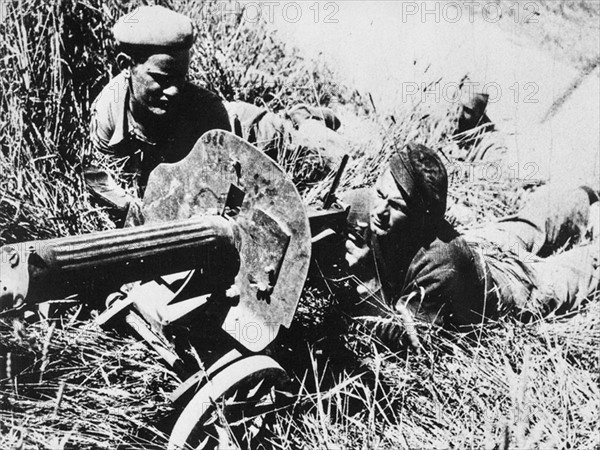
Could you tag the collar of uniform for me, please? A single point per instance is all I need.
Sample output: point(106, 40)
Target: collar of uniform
point(135, 130)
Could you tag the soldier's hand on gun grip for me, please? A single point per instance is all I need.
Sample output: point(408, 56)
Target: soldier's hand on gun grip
point(358, 254)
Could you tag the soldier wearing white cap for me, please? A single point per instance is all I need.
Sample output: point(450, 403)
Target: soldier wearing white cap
point(149, 113)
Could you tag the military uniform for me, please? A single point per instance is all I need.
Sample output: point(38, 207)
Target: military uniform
point(115, 134)
point(123, 146)
point(509, 266)
point(301, 128)
point(536, 257)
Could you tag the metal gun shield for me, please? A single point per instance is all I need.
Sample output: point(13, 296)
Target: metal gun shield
point(273, 234)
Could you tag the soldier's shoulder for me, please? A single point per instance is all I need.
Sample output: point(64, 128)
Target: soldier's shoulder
point(112, 94)
point(197, 96)
point(203, 110)
point(448, 248)
point(106, 110)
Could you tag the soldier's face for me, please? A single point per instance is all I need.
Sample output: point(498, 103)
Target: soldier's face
point(389, 214)
point(157, 82)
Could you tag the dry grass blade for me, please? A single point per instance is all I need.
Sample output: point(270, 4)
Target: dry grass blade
point(75, 387)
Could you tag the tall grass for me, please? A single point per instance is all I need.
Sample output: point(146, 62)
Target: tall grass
point(512, 386)
point(80, 388)
point(48, 77)
point(55, 57)
point(515, 386)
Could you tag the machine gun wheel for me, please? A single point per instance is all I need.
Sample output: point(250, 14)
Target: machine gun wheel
point(230, 409)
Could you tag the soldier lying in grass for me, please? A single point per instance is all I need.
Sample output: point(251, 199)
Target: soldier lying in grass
point(300, 130)
point(417, 268)
point(149, 113)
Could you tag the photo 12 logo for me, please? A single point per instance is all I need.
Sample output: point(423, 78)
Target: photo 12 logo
point(455, 11)
point(453, 92)
point(493, 172)
point(288, 11)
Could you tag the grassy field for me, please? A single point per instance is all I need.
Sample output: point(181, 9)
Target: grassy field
point(509, 386)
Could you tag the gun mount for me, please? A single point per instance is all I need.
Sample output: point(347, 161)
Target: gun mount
point(219, 264)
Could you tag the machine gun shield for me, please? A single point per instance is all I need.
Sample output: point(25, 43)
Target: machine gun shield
point(272, 229)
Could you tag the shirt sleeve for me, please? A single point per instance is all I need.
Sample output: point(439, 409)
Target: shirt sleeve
point(102, 125)
point(99, 164)
point(105, 189)
point(443, 286)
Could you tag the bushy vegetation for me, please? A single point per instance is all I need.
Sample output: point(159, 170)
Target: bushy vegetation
point(510, 386)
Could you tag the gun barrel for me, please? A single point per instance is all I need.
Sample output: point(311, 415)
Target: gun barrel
point(39, 270)
point(115, 246)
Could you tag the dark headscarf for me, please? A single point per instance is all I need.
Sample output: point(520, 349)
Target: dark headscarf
point(422, 180)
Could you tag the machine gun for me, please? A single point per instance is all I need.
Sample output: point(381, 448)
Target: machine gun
point(334, 220)
point(330, 218)
point(215, 270)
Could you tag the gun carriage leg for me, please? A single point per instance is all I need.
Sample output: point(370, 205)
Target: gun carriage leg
point(226, 405)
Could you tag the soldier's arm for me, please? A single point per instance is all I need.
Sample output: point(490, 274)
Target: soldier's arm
point(100, 163)
point(105, 189)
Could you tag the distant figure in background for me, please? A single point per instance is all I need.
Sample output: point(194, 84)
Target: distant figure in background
point(416, 268)
point(149, 113)
point(472, 122)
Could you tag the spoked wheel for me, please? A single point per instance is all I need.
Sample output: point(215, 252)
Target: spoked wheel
point(232, 409)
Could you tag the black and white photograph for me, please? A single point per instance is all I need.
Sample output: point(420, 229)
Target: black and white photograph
point(299, 225)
